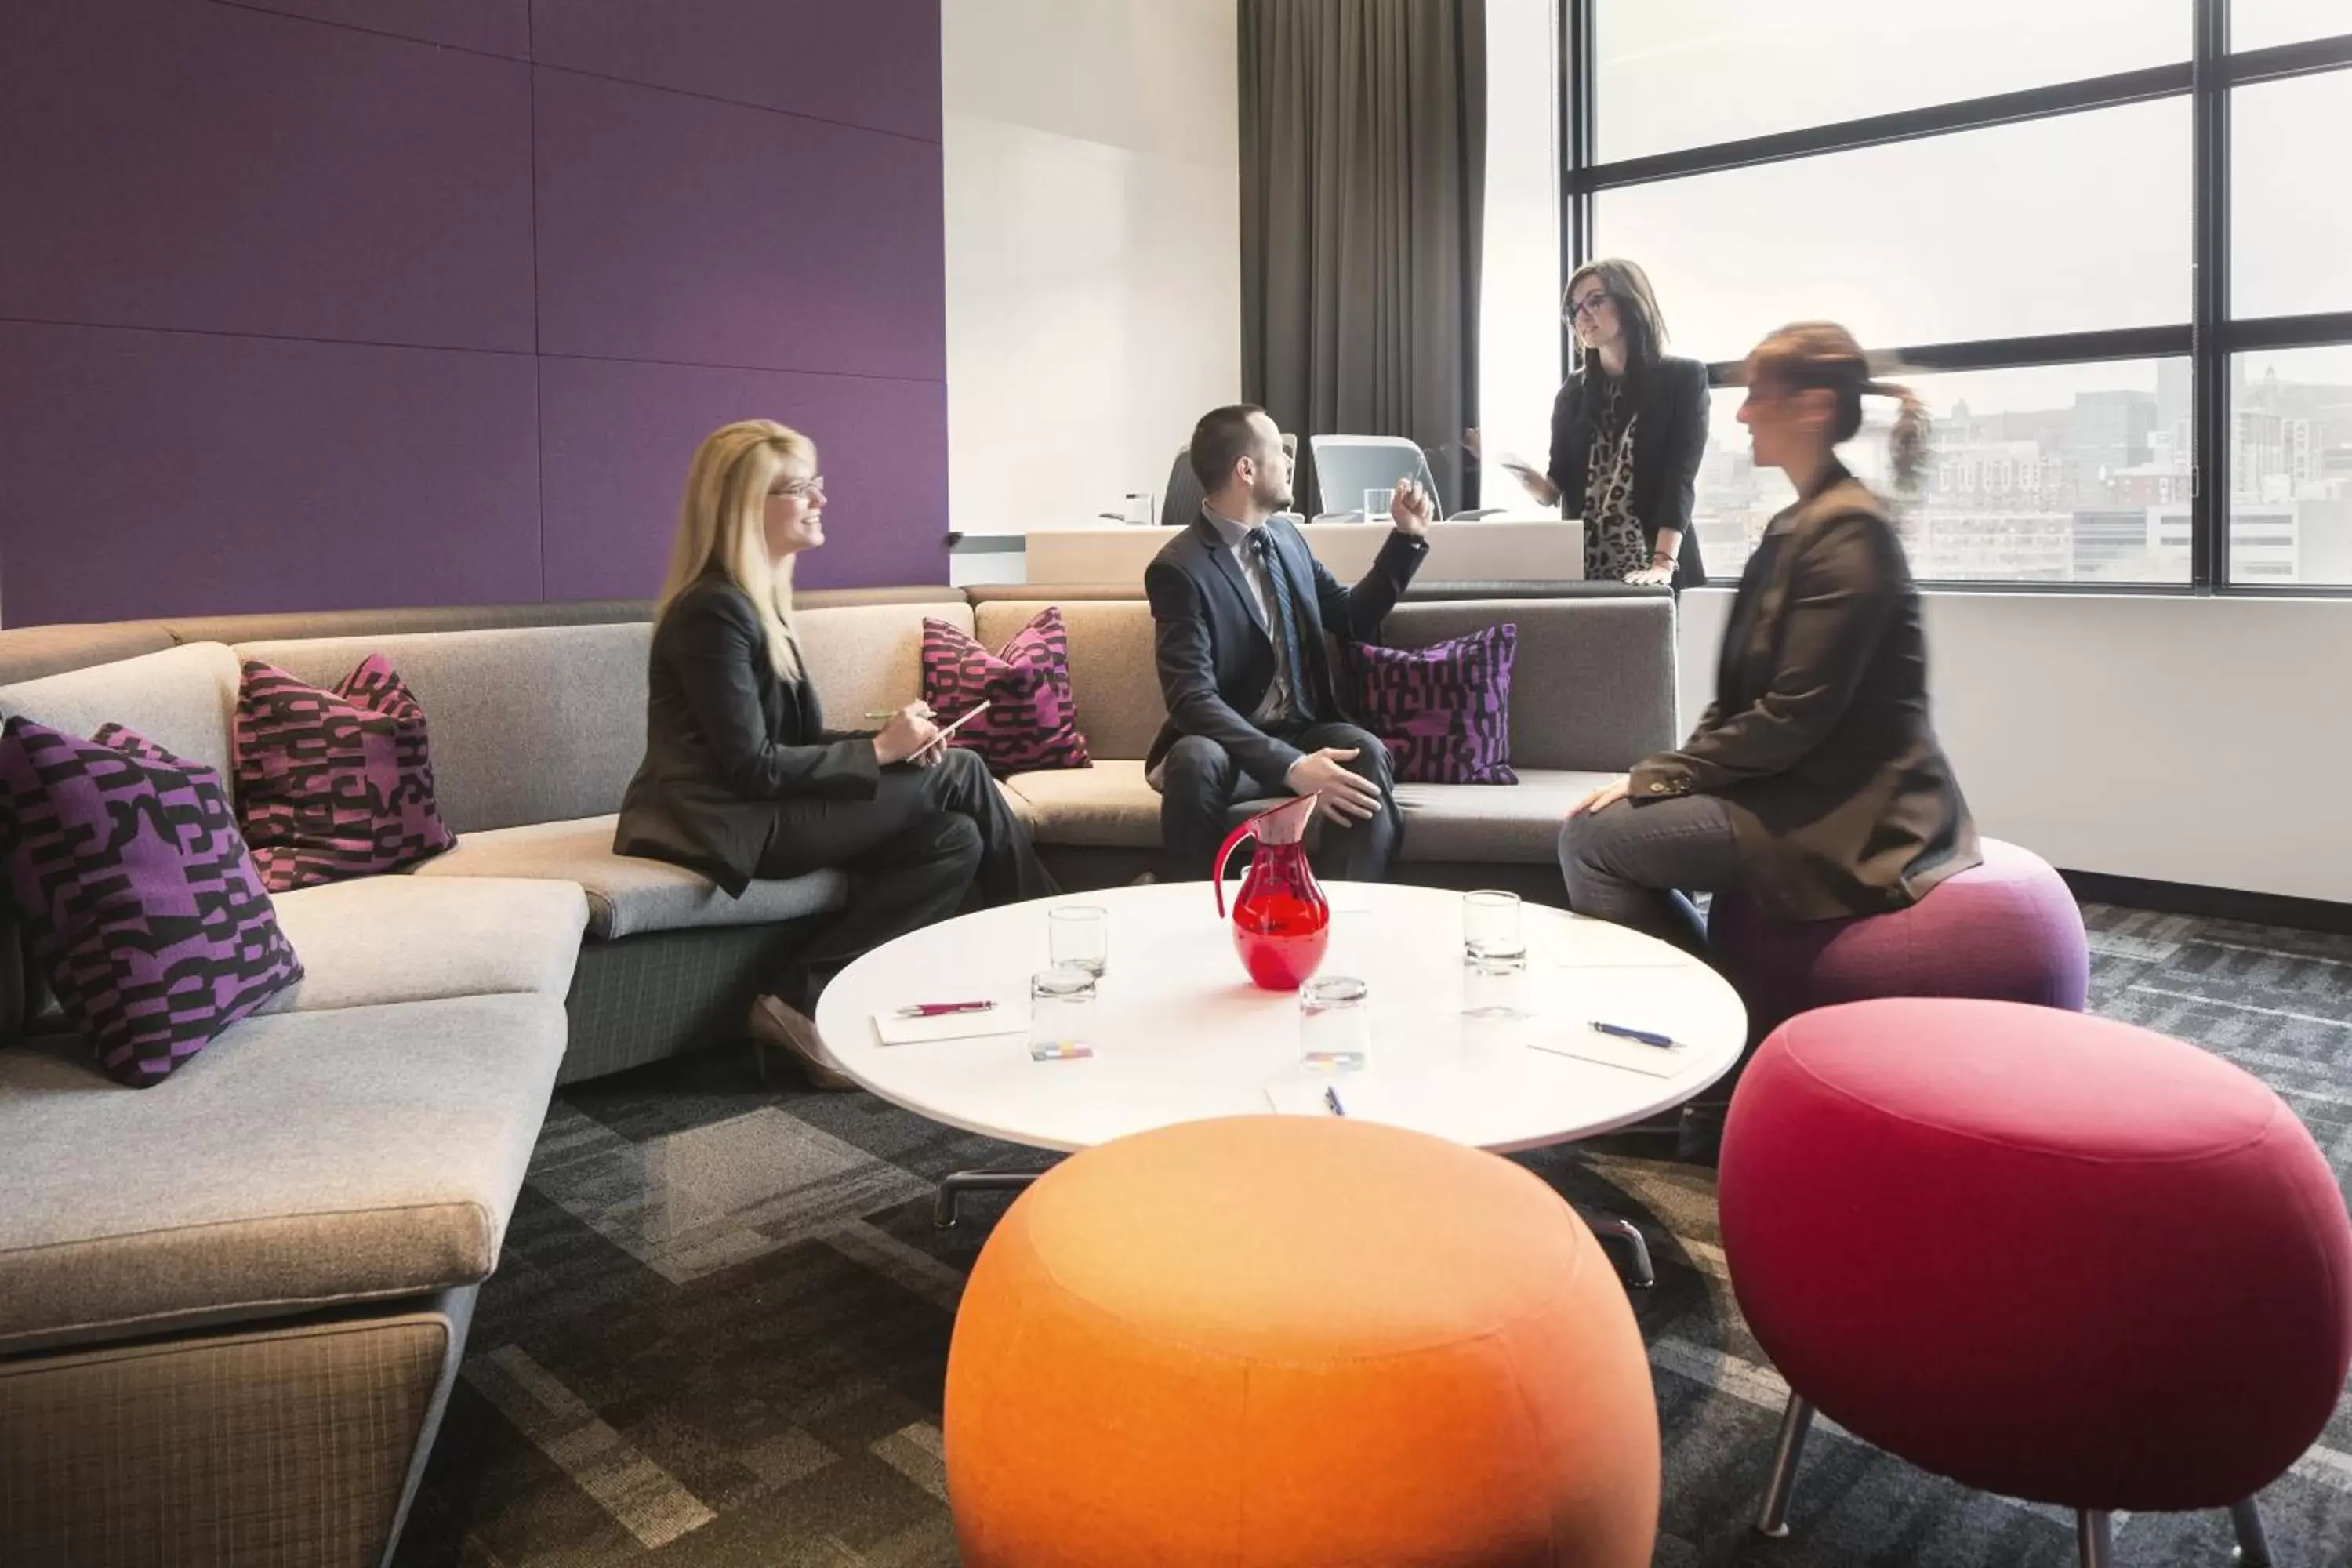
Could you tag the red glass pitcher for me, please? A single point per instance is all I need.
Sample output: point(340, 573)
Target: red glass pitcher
point(1281, 923)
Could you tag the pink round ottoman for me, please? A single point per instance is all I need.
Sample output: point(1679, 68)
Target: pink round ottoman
point(2047, 1255)
point(2008, 930)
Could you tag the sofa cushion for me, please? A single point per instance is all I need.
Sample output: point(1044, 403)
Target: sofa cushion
point(1110, 805)
point(868, 658)
point(1512, 825)
point(1114, 679)
point(308, 1159)
point(1592, 680)
point(376, 939)
point(625, 894)
point(529, 724)
point(334, 783)
point(179, 698)
point(149, 917)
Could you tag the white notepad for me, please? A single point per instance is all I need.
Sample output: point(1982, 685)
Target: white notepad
point(1589, 1046)
point(1005, 1018)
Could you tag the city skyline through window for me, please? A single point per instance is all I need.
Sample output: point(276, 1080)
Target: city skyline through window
point(2020, 200)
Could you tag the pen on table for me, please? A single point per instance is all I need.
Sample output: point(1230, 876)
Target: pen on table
point(940, 1009)
point(1645, 1037)
point(1331, 1099)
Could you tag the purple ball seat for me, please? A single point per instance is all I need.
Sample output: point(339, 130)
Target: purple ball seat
point(2006, 930)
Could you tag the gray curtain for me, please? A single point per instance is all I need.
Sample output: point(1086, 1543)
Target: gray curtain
point(1363, 146)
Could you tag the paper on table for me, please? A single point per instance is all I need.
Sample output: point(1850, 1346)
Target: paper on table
point(1589, 1045)
point(1001, 1019)
point(1588, 943)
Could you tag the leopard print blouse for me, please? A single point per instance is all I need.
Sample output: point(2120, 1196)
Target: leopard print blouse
point(1614, 545)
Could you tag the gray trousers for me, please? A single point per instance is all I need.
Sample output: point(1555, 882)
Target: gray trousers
point(1631, 862)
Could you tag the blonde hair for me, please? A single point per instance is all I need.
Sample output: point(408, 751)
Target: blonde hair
point(722, 525)
point(1804, 355)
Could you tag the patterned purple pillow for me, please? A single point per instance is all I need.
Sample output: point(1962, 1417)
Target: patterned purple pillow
point(147, 913)
point(1444, 711)
point(1032, 720)
point(334, 783)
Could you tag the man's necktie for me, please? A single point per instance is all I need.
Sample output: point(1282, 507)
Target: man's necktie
point(1283, 633)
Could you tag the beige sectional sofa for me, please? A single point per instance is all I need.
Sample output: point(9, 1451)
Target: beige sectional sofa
point(231, 1306)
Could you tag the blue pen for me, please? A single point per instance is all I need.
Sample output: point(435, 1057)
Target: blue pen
point(1646, 1036)
point(1331, 1099)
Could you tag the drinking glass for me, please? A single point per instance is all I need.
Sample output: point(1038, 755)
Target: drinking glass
point(1335, 1024)
point(1495, 986)
point(1077, 936)
point(1376, 505)
point(1490, 925)
point(1061, 1011)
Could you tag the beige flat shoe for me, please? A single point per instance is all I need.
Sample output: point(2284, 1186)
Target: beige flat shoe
point(790, 1031)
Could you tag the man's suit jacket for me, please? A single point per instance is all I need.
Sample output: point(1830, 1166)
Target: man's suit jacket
point(1669, 439)
point(1215, 658)
point(1819, 737)
point(727, 738)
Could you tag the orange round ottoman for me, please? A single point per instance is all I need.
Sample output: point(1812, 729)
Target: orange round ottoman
point(1280, 1341)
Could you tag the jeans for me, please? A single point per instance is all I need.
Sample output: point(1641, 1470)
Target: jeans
point(1630, 863)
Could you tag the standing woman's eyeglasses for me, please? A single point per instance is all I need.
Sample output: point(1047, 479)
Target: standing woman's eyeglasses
point(812, 486)
point(1588, 306)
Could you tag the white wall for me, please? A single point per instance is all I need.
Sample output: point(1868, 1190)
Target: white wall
point(1092, 250)
point(2198, 741)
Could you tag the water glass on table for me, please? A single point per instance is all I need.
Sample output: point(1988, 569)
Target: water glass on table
point(1376, 505)
point(1335, 1024)
point(1061, 1014)
point(1494, 955)
point(1077, 936)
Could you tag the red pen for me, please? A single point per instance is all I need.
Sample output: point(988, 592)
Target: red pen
point(940, 1009)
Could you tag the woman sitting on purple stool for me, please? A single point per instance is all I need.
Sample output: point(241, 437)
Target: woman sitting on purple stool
point(1813, 786)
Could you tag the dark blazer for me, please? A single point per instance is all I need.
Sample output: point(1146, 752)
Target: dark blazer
point(725, 738)
point(1818, 737)
point(1669, 439)
point(1215, 658)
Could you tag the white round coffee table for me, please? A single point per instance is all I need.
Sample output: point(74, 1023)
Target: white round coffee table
point(1183, 1034)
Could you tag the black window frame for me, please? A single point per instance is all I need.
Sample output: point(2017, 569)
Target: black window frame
point(2208, 339)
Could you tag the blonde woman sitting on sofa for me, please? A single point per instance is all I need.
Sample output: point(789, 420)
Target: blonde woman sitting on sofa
point(742, 778)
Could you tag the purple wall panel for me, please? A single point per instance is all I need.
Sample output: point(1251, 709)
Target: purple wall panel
point(873, 63)
point(160, 473)
point(617, 438)
point(489, 27)
point(216, 216)
point(211, 168)
point(678, 228)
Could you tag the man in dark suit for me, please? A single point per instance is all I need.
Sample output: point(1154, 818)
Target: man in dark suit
point(1239, 608)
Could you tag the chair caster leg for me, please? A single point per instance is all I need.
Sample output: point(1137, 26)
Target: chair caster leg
point(2253, 1546)
point(1772, 1519)
point(2095, 1537)
point(1639, 1274)
point(945, 1208)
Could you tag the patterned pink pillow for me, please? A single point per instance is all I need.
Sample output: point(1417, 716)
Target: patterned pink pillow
point(1032, 720)
point(1444, 711)
point(334, 783)
point(147, 916)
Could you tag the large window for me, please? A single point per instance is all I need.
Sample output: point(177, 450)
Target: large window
point(2108, 242)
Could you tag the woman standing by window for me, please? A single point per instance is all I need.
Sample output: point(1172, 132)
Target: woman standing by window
point(1627, 433)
